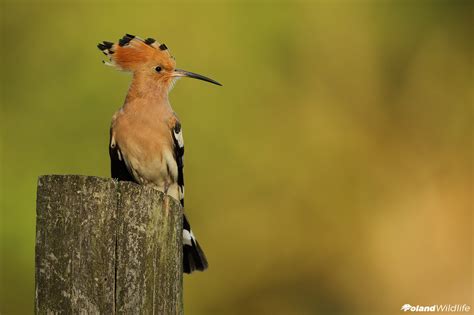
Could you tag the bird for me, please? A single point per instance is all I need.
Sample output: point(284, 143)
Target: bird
point(146, 139)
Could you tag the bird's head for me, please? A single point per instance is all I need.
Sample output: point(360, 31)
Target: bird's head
point(147, 59)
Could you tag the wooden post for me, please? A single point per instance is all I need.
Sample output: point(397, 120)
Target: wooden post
point(106, 247)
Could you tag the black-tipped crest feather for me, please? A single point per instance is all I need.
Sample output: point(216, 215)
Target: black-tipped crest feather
point(125, 40)
point(149, 41)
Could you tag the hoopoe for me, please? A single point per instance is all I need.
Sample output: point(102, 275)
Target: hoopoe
point(146, 139)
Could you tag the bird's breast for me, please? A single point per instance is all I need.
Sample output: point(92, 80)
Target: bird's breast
point(147, 149)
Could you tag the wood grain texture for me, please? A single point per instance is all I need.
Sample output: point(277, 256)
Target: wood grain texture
point(149, 242)
point(106, 247)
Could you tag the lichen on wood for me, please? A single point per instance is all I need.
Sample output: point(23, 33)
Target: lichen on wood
point(106, 247)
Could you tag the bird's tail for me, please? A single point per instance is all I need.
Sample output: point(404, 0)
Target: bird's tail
point(193, 256)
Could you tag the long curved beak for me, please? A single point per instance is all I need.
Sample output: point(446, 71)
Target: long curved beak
point(183, 73)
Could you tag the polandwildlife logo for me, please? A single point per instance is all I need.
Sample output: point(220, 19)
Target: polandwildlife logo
point(453, 308)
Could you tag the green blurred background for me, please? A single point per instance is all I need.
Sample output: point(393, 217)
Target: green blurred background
point(332, 174)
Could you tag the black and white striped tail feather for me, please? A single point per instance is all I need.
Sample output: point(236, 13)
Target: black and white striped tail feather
point(193, 255)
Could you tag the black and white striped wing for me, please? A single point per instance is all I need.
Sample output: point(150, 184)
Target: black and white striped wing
point(193, 255)
point(178, 142)
point(118, 166)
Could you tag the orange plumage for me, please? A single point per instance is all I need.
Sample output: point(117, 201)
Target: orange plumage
point(134, 54)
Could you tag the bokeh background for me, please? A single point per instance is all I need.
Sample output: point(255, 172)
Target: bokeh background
point(332, 174)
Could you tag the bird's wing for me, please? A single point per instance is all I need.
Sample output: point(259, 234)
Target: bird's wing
point(178, 150)
point(193, 255)
point(118, 165)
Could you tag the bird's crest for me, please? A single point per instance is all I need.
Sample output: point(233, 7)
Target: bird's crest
point(132, 53)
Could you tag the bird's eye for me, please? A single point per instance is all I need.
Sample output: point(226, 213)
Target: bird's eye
point(158, 69)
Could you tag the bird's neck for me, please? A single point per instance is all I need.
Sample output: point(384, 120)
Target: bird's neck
point(147, 95)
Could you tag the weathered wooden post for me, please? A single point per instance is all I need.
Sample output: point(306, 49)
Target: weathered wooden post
point(106, 247)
